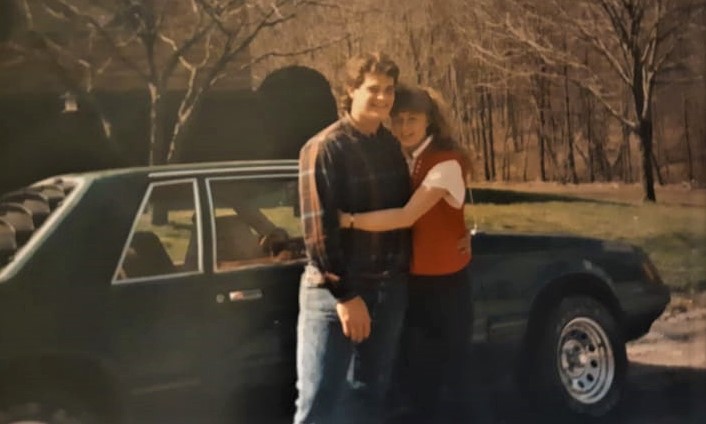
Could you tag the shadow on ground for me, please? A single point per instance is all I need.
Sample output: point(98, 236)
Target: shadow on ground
point(654, 394)
point(506, 197)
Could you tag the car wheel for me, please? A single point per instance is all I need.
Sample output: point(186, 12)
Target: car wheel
point(581, 362)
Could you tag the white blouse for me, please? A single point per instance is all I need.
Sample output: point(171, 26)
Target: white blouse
point(446, 175)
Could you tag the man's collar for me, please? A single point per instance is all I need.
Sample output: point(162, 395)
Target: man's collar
point(351, 124)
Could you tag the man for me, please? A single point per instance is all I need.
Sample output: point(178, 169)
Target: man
point(353, 293)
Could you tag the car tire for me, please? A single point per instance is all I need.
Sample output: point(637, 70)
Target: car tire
point(50, 408)
point(579, 365)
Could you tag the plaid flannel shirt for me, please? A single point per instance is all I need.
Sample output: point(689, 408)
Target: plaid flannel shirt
point(343, 169)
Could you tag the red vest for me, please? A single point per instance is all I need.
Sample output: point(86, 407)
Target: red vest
point(436, 234)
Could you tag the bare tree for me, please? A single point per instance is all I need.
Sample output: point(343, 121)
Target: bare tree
point(164, 44)
point(635, 40)
point(77, 66)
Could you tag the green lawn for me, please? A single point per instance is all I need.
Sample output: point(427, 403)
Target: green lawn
point(673, 236)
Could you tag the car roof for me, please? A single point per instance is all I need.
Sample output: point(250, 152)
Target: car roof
point(75, 185)
point(188, 169)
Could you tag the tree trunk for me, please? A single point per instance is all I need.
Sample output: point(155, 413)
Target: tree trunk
point(552, 143)
point(513, 118)
point(642, 96)
point(541, 133)
point(486, 156)
point(526, 161)
point(475, 130)
point(648, 183)
point(590, 143)
point(625, 154)
point(599, 134)
point(505, 172)
point(491, 137)
point(687, 142)
point(181, 131)
point(571, 164)
point(158, 151)
point(658, 169)
point(660, 158)
point(623, 162)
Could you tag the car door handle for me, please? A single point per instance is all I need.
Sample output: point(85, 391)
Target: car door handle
point(240, 296)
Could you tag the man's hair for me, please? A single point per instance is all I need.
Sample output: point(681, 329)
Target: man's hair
point(365, 63)
point(430, 102)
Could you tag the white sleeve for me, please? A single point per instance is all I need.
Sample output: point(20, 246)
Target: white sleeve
point(448, 175)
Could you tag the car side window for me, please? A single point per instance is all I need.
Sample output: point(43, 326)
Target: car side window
point(256, 222)
point(165, 238)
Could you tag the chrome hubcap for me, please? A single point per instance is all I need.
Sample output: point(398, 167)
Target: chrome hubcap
point(585, 360)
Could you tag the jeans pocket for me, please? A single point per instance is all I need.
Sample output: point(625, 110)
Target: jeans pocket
point(312, 277)
point(316, 302)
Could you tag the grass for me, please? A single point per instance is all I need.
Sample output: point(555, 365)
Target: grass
point(672, 233)
point(674, 236)
point(175, 236)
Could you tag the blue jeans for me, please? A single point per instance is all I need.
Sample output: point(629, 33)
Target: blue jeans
point(339, 381)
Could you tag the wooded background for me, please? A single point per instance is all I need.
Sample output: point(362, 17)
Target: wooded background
point(555, 90)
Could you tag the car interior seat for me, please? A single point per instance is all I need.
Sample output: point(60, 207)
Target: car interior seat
point(235, 239)
point(147, 256)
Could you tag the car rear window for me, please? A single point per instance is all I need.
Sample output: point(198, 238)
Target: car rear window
point(24, 211)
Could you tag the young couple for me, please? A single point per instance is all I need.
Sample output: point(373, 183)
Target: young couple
point(366, 268)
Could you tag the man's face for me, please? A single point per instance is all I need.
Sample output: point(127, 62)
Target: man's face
point(410, 128)
point(372, 100)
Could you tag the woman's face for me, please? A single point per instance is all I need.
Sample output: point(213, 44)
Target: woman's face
point(410, 128)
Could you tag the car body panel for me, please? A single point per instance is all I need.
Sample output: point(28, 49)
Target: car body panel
point(217, 332)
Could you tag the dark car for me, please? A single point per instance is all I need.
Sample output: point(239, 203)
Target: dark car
point(128, 295)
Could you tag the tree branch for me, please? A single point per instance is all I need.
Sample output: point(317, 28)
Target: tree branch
point(72, 12)
point(294, 53)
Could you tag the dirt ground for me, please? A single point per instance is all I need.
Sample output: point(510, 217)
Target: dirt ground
point(677, 338)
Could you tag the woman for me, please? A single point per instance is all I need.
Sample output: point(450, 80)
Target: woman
point(439, 315)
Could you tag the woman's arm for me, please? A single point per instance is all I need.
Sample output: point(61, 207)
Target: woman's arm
point(392, 219)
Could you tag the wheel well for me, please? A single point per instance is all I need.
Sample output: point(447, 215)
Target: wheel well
point(570, 285)
point(82, 377)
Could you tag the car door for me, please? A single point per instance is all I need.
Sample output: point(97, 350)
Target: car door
point(158, 300)
point(257, 256)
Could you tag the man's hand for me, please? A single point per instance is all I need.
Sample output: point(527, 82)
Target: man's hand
point(274, 242)
point(355, 319)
